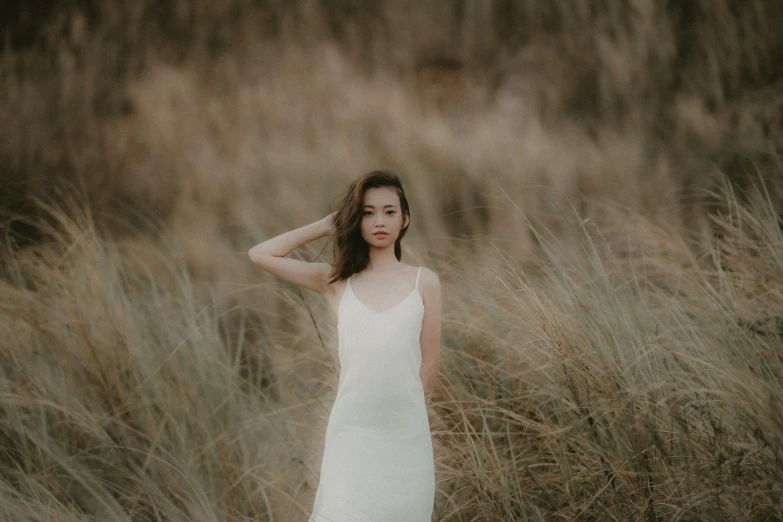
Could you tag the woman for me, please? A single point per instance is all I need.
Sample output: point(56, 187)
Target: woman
point(378, 462)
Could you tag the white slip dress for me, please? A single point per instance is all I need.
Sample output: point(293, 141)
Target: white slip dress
point(378, 463)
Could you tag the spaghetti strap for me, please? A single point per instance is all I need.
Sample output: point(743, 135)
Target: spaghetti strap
point(417, 278)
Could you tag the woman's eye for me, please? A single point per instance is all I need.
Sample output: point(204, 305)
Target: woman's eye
point(390, 212)
point(367, 212)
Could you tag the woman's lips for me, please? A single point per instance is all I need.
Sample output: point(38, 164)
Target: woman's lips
point(380, 234)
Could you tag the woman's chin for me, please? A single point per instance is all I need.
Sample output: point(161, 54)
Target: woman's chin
point(381, 243)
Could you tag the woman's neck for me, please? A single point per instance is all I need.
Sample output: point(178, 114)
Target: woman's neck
point(382, 259)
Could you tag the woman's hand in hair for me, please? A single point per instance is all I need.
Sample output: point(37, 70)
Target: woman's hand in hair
point(271, 256)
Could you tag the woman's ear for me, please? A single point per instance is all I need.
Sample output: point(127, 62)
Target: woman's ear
point(407, 221)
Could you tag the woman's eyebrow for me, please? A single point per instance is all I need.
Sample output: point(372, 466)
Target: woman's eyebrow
point(385, 206)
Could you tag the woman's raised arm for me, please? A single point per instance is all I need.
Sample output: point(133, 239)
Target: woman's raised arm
point(270, 255)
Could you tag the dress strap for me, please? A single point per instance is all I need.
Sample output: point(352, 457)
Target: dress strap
point(418, 274)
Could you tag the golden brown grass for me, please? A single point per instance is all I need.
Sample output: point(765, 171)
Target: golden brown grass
point(196, 110)
point(624, 380)
point(611, 332)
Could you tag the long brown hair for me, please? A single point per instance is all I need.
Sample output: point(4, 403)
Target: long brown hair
point(351, 251)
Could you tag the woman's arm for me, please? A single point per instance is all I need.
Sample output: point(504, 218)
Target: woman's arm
point(429, 339)
point(270, 255)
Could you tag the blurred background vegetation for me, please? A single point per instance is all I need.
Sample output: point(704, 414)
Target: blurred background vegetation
point(597, 182)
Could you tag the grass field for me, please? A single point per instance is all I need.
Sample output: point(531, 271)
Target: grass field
point(622, 379)
point(599, 189)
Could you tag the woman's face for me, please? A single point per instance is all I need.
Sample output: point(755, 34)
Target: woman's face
point(381, 213)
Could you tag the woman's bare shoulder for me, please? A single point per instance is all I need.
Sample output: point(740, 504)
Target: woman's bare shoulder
point(430, 276)
point(429, 282)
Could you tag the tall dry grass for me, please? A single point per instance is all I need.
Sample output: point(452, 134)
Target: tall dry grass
point(174, 105)
point(622, 379)
point(124, 399)
point(584, 176)
point(631, 380)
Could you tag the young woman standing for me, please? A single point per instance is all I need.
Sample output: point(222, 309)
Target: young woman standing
point(378, 462)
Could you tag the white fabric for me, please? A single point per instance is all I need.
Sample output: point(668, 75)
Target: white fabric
point(378, 462)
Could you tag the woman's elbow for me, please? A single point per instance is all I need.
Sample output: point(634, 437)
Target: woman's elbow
point(257, 255)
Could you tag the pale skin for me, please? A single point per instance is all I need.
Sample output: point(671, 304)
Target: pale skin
point(383, 284)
